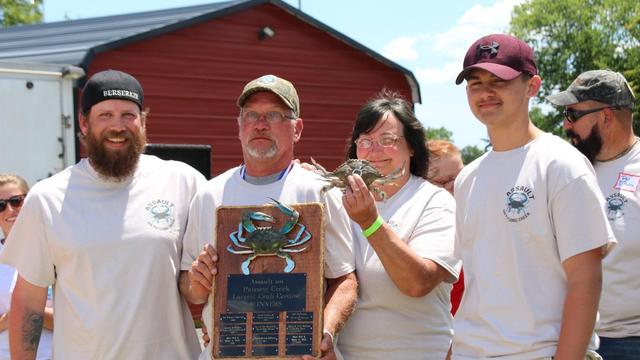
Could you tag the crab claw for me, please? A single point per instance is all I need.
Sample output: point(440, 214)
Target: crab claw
point(247, 216)
point(284, 208)
point(290, 212)
point(397, 173)
point(257, 215)
point(320, 168)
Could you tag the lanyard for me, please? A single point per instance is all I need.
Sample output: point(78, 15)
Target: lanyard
point(281, 175)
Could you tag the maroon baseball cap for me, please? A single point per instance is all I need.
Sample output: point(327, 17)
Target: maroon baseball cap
point(504, 56)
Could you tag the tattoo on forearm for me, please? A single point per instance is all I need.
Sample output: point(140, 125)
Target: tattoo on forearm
point(31, 330)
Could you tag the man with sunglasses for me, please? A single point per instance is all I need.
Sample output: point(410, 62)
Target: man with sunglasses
point(598, 120)
point(269, 126)
point(531, 228)
point(107, 233)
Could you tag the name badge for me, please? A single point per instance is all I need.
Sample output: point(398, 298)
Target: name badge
point(627, 182)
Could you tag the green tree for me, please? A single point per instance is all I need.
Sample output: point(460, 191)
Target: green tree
point(15, 12)
point(573, 36)
point(440, 133)
point(470, 153)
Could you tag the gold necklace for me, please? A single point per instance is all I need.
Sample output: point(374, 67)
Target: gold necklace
point(623, 153)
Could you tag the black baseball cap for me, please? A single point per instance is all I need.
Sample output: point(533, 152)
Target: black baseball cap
point(111, 84)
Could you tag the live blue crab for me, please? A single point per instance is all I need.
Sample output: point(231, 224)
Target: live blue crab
point(369, 174)
point(266, 240)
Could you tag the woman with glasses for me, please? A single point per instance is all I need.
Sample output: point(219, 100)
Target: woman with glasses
point(13, 190)
point(403, 245)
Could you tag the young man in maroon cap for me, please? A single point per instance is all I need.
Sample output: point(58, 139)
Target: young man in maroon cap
point(531, 228)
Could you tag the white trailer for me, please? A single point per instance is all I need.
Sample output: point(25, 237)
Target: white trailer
point(37, 133)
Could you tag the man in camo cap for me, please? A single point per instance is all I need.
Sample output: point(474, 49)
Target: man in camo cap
point(598, 95)
point(598, 120)
point(269, 126)
point(270, 83)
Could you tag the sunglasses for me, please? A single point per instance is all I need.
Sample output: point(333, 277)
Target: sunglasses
point(574, 115)
point(15, 201)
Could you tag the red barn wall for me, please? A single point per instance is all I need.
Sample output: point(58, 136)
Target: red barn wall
point(193, 76)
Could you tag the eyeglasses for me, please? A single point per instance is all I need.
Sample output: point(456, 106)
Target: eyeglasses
point(383, 141)
point(15, 201)
point(574, 115)
point(271, 117)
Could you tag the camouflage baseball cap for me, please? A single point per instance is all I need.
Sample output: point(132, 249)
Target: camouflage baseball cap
point(281, 87)
point(604, 86)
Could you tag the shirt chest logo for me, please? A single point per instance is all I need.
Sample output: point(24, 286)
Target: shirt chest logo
point(160, 214)
point(519, 198)
point(615, 206)
point(627, 182)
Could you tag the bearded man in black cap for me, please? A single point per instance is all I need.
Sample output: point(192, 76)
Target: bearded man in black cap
point(598, 120)
point(107, 234)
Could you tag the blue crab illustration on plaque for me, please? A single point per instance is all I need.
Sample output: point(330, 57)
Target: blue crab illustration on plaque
point(518, 199)
point(257, 241)
point(615, 206)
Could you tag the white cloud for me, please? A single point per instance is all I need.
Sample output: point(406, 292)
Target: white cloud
point(403, 48)
point(476, 22)
point(429, 76)
point(439, 57)
point(451, 44)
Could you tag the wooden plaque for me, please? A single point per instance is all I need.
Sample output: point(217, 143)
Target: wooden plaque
point(268, 306)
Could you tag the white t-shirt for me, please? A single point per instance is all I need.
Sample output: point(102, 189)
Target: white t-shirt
point(619, 309)
point(296, 186)
point(388, 324)
point(520, 214)
point(7, 283)
point(113, 251)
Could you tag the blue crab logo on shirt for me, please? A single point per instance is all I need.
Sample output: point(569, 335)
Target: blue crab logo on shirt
point(160, 214)
point(615, 206)
point(518, 200)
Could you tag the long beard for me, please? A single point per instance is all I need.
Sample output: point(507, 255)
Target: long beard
point(115, 165)
point(590, 146)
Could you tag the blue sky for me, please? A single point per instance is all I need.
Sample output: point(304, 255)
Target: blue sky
point(429, 40)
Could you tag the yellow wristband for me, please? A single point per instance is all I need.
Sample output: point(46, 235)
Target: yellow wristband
point(374, 227)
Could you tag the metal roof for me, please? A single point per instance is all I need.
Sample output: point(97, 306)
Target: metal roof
point(77, 41)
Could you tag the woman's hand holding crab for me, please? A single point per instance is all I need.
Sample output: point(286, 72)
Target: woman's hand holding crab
point(359, 202)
